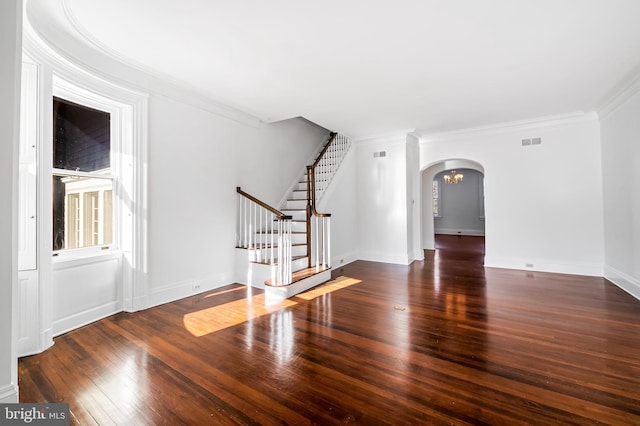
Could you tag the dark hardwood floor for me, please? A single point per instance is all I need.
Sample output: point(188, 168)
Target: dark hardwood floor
point(443, 341)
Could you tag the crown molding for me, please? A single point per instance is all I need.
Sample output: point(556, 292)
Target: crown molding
point(63, 42)
point(577, 117)
point(620, 97)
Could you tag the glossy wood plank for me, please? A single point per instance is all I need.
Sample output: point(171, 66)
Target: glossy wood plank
point(442, 341)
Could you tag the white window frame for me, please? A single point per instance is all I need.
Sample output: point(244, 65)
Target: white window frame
point(68, 91)
point(129, 165)
point(440, 183)
point(481, 196)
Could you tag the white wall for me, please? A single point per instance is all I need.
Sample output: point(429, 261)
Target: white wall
point(11, 53)
point(85, 291)
point(461, 209)
point(620, 133)
point(543, 203)
point(382, 200)
point(274, 156)
point(191, 199)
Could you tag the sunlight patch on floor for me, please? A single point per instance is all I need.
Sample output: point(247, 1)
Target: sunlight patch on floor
point(209, 320)
point(333, 285)
point(216, 318)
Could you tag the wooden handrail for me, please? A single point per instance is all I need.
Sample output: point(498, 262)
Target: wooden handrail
point(326, 147)
point(311, 193)
point(264, 205)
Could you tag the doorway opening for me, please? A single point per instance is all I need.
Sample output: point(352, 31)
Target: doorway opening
point(453, 205)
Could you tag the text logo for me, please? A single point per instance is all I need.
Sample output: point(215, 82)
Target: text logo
point(34, 414)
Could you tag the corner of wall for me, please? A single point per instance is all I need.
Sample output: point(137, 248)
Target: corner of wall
point(342, 259)
point(624, 281)
point(619, 96)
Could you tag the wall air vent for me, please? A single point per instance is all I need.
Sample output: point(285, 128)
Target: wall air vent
point(531, 141)
point(379, 154)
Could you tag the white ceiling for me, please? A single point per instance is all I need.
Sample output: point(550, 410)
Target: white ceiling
point(369, 67)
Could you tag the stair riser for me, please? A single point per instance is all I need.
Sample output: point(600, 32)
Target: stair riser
point(297, 237)
point(296, 214)
point(298, 227)
point(296, 264)
point(299, 195)
point(321, 173)
point(297, 204)
point(261, 255)
point(302, 186)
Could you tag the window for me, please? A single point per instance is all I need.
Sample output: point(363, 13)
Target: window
point(481, 197)
point(82, 179)
point(435, 192)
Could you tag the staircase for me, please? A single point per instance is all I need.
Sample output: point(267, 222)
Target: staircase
point(287, 251)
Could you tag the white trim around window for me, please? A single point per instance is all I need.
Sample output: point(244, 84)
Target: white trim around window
point(128, 111)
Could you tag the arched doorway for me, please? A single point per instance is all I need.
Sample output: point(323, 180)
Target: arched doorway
point(428, 219)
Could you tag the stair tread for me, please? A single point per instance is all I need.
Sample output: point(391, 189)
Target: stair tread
point(275, 260)
point(268, 246)
point(302, 274)
point(275, 232)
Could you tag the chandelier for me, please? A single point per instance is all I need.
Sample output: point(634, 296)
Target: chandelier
point(453, 177)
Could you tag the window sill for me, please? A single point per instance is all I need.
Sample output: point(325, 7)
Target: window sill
point(84, 257)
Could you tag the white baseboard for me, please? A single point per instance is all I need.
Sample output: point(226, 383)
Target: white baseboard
point(544, 265)
point(183, 289)
point(140, 303)
point(417, 255)
point(85, 317)
point(9, 394)
point(342, 259)
point(451, 231)
point(382, 257)
point(626, 282)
